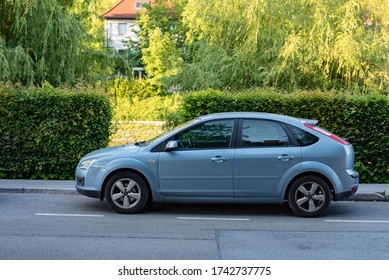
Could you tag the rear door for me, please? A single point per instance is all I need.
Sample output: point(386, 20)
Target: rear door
point(265, 151)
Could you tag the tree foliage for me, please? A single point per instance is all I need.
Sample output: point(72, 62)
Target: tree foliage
point(161, 38)
point(165, 15)
point(161, 57)
point(47, 40)
point(288, 44)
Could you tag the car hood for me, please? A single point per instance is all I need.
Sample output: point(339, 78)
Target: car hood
point(112, 151)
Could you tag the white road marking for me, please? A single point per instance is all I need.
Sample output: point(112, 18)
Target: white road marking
point(212, 219)
point(68, 215)
point(355, 221)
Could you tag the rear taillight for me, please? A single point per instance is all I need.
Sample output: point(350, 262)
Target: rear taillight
point(328, 134)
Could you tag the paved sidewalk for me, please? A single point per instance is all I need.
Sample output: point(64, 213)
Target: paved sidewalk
point(37, 186)
point(366, 192)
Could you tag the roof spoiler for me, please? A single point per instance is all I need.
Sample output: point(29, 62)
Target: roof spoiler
point(310, 122)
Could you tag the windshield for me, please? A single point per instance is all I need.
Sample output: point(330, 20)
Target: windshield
point(148, 142)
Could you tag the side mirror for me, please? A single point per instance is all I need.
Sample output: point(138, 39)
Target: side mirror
point(171, 145)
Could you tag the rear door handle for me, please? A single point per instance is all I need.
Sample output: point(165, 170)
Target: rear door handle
point(285, 157)
point(219, 159)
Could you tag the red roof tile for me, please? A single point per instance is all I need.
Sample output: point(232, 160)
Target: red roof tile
point(123, 9)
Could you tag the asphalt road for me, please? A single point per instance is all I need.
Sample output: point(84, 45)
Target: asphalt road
point(72, 227)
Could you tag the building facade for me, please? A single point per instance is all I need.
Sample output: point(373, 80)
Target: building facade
point(119, 23)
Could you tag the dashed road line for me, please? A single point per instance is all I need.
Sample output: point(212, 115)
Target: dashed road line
point(212, 219)
point(357, 221)
point(68, 215)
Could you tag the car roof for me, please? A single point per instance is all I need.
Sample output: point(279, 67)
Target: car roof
point(261, 115)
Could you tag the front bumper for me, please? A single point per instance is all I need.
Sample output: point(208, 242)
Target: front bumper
point(85, 182)
point(88, 192)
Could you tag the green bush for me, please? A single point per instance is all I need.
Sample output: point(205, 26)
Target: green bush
point(142, 88)
point(44, 132)
point(363, 120)
point(138, 100)
point(153, 108)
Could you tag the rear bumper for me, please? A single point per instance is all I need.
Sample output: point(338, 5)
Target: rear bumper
point(342, 196)
point(353, 189)
point(350, 185)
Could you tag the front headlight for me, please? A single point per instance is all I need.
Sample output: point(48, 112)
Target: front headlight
point(85, 164)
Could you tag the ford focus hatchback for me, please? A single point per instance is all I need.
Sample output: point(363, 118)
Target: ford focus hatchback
point(226, 158)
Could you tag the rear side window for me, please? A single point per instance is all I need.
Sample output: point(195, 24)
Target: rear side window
point(261, 133)
point(304, 138)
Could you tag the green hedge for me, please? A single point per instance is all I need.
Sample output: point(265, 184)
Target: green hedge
point(363, 120)
point(44, 132)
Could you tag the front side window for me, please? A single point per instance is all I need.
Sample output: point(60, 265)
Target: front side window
point(210, 135)
point(261, 133)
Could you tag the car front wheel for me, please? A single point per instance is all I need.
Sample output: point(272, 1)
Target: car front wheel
point(126, 192)
point(309, 196)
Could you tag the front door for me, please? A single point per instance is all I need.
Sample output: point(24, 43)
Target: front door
point(202, 166)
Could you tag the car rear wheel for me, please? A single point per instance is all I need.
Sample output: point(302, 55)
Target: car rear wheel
point(126, 192)
point(309, 196)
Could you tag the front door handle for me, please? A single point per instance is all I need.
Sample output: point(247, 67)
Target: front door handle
point(219, 159)
point(285, 157)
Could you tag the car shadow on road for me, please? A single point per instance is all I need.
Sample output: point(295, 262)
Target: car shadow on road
point(219, 210)
point(230, 210)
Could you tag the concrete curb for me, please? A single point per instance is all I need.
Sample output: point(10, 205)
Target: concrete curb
point(37, 187)
point(366, 192)
point(371, 192)
point(369, 197)
point(38, 191)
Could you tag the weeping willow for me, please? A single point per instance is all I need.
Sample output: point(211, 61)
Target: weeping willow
point(289, 44)
point(45, 41)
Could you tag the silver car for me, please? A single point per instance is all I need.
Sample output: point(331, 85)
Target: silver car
point(226, 158)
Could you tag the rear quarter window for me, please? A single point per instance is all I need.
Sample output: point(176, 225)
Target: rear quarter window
point(304, 138)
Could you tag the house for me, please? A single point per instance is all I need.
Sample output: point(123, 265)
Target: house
point(119, 22)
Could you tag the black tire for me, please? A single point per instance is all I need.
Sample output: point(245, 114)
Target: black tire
point(126, 192)
point(309, 196)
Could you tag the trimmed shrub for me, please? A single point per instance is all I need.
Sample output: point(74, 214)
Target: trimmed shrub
point(363, 120)
point(44, 132)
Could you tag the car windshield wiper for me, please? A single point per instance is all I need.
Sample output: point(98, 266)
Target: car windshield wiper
point(140, 143)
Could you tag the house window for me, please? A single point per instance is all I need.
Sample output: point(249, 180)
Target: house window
point(138, 4)
point(110, 30)
point(122, 28)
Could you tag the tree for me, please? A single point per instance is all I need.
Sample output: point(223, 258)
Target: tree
point(287, 44)
point(161, 57)
point(161, 40)
point(46, 40)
